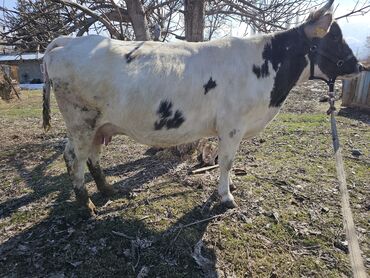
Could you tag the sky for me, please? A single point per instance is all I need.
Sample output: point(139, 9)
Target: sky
point(355, 29)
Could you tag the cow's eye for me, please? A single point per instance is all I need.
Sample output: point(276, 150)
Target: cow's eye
point(313, 48)
point(340, 63)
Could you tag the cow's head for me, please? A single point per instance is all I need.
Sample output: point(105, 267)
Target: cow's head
point(329, 52)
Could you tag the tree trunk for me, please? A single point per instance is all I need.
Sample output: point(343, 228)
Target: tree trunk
point(139, 22)
point(194, 20)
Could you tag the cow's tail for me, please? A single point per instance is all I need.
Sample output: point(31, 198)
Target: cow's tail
point(46, 100)
point(59, 42)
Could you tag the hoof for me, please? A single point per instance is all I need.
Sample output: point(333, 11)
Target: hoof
point(84, 201)
point(88, 210)
point(232, 187)
point(230, 204)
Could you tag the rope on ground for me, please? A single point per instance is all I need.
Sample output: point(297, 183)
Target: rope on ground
point(357, 264)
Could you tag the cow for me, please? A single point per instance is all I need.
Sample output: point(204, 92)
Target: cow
point(166, 94)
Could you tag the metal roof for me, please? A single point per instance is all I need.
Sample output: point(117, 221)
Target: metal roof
point(21, 56)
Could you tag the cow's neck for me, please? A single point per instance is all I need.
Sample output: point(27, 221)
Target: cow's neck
point(286, 52)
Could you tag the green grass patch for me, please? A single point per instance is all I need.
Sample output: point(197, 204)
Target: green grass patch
point(29, 106)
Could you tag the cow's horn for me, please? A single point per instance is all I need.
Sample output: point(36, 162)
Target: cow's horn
point(324, 9)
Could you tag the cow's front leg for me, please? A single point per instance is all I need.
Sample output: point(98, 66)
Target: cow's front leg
point(228, 145)
point(96, 171)
point(75, 159)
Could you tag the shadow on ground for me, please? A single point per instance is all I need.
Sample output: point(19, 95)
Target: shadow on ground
point(63, 244)
point(355, 114)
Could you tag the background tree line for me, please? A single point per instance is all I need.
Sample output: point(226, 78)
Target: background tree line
point(34, 23)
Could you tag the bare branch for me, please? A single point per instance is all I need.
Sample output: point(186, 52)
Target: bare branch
point(106, 23)
point(34, 23)
point(360, 11)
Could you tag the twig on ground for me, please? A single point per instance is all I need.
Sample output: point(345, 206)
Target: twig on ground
point(182, 227)
point(222, 215)
point(204, 169)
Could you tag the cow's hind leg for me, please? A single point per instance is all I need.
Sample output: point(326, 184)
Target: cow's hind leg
point(228, 145)
point(75, 156)
point(96, 171)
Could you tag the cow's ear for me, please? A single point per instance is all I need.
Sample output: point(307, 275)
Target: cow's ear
point(318, 27)
point(335, 32)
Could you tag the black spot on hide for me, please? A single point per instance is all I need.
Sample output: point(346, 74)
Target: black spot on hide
point(261, 71)
point(232, 133)
point(166, 120)
point(165, 109)
point(158, 125)
point(130, 56)
point(211, 84)
point(176, 121)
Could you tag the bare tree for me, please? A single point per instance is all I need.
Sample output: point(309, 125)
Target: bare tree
point(35, 22)
point(358, 10)
point(30, 28)
point(139, 22)
point(194, 20)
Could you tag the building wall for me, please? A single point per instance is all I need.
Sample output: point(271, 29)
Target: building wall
point(29, 70)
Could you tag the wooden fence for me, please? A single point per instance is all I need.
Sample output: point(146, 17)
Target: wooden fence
point(356, 92)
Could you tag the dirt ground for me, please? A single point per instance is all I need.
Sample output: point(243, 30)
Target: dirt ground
point(164, 222)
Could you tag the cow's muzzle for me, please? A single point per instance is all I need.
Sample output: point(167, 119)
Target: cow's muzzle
point(362, 68)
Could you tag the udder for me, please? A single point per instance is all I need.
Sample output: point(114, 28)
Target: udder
point(105, 133)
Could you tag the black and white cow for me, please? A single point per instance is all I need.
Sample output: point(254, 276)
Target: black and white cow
point(165, 94)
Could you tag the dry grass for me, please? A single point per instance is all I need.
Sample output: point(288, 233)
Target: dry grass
point(288, 223)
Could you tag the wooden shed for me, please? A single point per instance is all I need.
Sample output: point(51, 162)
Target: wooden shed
point(356, 92)
point(28, 65)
